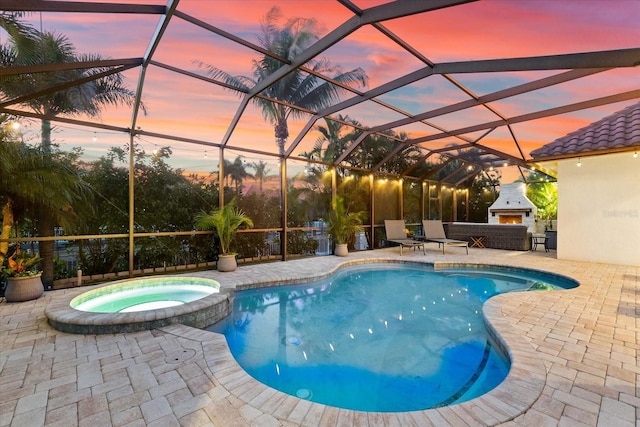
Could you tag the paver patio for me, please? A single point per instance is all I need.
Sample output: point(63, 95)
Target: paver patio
point(576, 360)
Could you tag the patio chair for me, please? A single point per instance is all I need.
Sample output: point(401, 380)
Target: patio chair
point(396, 235)
point(434, 232)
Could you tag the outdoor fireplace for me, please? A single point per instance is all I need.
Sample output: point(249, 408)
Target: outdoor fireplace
point(513, 207)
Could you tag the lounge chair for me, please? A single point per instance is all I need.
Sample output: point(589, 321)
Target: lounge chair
point(434, 232)
point(396, 235)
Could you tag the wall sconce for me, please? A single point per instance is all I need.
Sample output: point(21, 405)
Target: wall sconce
point(579, 162)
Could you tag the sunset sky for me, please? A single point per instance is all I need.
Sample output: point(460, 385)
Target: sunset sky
point(491, 29)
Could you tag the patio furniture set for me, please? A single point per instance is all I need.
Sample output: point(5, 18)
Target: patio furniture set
point(497, 236)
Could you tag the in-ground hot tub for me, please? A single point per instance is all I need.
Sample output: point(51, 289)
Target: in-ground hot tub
point(141, 304)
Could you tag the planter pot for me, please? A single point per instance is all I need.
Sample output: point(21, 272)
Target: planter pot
point(23, 288)
point(227, 263)
point(341, 250)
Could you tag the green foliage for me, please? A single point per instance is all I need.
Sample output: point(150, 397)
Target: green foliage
point(263, 210)
point(251, 245)
point(34, 180)
point(165, 199)
point(298, 242)
point(545, 196)
point(411, 191)
point(28, 47)
point(225, 222)
point(343, 225)
point(22, 264)
point(355, 188)
point(482, 194)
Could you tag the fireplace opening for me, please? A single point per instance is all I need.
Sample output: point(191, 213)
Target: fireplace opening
point(510, 219)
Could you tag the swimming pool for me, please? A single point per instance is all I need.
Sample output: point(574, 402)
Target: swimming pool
point(377, 337)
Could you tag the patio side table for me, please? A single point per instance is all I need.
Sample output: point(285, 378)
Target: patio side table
point(478, 241)
point(539, 239)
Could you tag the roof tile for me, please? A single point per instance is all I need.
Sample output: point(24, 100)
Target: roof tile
point(618, 130)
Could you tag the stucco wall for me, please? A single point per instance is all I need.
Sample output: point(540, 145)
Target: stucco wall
point(599, 209)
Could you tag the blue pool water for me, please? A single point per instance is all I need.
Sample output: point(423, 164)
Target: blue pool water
point(377, 337)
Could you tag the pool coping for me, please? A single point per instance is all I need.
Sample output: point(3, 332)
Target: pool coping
point(522, 387)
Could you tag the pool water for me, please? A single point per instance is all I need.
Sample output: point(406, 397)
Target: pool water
point(144, 294)
point(375, 337)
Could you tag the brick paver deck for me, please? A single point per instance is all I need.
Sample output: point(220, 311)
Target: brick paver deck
point(575, 360)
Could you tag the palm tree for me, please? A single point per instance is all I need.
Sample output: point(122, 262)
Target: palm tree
point(261, 172)
point(32, 179)
point(225, 221)
point(239, 173)
point(335, 137)
point(298, 87)
point(235, 171)
point(28, 47)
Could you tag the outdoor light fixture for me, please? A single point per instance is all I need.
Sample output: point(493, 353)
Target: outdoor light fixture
point(15, 126)
point(635, 155)
point(205, 154)
point(579, 162)
point(95, 137)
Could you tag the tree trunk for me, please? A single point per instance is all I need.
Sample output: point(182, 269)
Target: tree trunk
point(281, 133)
point(45, 130)
point(45, 229)
point(45, 221)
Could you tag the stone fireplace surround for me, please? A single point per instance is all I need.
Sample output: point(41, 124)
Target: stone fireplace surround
point(513, 207)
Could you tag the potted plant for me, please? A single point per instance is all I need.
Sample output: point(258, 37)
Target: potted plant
point(343, 225)
point(23, 277)
point(225, 221)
